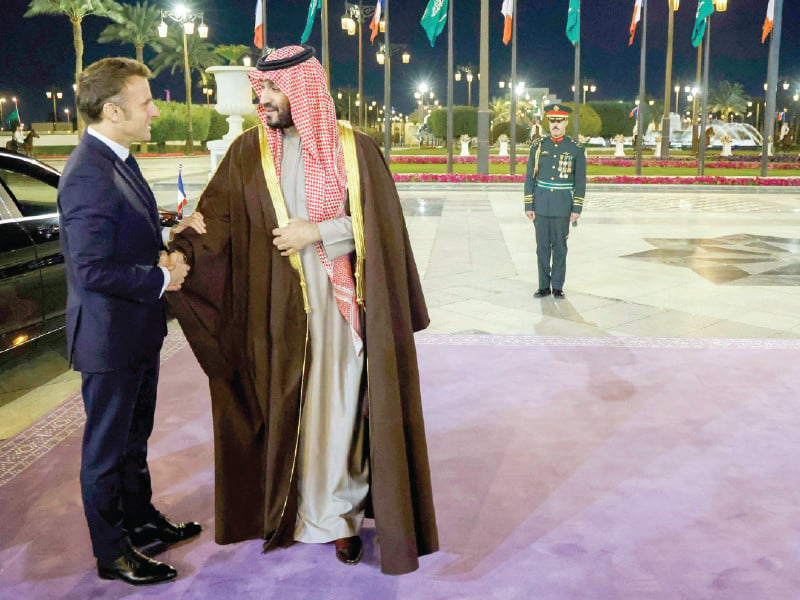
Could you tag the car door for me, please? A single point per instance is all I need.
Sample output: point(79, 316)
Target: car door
point(21, 314)
point(29, 192)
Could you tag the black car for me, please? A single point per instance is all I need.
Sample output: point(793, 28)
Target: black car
point(33, 287)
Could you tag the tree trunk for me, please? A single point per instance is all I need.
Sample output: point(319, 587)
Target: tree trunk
point(139, 52)
point(77, 40)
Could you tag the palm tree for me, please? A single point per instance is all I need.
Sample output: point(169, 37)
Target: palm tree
point(136, 24)
point(76, 10)
point(200, 52)
point(233, 53)
point(501, 111)
point(729, 98)
point(178, 51)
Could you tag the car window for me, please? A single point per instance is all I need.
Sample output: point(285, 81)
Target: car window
point(34, 197)
point(8, 210)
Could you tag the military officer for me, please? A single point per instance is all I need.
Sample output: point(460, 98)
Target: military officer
point(555, 184)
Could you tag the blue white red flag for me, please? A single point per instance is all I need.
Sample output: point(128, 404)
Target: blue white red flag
point(182, 201)
point(634, 112)
point(375, 25)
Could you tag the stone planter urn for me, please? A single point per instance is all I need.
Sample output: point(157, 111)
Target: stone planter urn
point(235, 99)
point(657, 149)
point(619, 146)
point(503, 141)
point(727, 146)
point(464, 145)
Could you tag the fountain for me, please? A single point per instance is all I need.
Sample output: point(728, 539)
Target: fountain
point(742, 135)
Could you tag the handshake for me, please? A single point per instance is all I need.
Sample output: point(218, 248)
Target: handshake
point(175, 263)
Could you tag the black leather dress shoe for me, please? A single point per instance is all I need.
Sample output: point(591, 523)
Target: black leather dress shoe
point(541, 293)
point(135, 568)
point(558, 294)
point(349, 549)
point(161, 529)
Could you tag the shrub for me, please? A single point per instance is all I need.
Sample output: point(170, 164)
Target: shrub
point(465, 120)
point(173, 124)
point(504, 127)
point(218, 126)
point(590, 124)
point(614, 118)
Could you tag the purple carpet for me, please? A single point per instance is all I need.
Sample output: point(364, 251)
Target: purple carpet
point(585, 468)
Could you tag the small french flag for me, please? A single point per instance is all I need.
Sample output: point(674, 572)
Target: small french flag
point(634, 112)
point(182, 201)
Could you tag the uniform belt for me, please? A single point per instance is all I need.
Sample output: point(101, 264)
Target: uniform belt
point(555, 185)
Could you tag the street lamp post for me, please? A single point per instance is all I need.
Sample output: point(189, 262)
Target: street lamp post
point(384, 57)
point(677, 89)
point(54, 94)
point(588, 88)
point(207, 92)
point(352, 20)
point(2, 120)
point(186, 18)
point(469, 76)
point(672, 7)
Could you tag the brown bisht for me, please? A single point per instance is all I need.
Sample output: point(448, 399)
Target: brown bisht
point(242, 312)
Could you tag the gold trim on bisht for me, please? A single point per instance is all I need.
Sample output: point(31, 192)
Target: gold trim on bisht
point(279, 204)
point(354, 195)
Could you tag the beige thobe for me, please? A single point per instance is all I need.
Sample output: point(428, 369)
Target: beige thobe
point(332, 464)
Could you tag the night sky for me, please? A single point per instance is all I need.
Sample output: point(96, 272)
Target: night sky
point(37, 53)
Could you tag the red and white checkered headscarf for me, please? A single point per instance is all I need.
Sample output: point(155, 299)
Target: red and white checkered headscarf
point(314, 115)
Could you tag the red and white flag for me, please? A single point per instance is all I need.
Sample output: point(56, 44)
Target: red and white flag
point(258, 36)
point(375, 25)
point(768, 21)
point(637, 16)
point(507, 11)
point(182, 201)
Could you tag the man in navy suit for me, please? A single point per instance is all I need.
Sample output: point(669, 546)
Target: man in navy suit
point(117, 273)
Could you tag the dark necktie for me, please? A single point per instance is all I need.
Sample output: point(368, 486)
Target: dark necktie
point(144, 187)
point(131, 162)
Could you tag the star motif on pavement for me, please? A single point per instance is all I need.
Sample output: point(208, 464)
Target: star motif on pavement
point(741, 259)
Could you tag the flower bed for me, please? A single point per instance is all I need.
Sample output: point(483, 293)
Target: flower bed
point(691, 163)
point(618, 179)
point(779, 162)
point(438, 159)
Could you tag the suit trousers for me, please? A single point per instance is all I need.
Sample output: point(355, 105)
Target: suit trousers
point(551, 243)
point(115, 479)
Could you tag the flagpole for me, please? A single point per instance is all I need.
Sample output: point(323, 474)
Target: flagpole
point(387, 87)
point(642, 71)
point(576, 86)
point(772, 85)
point(483, 104)
point(326, 58)
point(665, 118)
point(361, 104)
point(450, 11)
point(264, 45)
point(513, 129)
point(701, 135)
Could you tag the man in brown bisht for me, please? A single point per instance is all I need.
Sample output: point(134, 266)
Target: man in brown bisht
point(301, 308)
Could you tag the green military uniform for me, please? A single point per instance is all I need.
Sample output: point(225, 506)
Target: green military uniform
point(555, 184)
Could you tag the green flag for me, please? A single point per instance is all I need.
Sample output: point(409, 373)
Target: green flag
point(704, 8)
point(313, 7)
point(574, 21)
point(434, 18)
point(14, 116)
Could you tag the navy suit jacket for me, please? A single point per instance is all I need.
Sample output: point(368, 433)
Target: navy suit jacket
point(111, 238)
